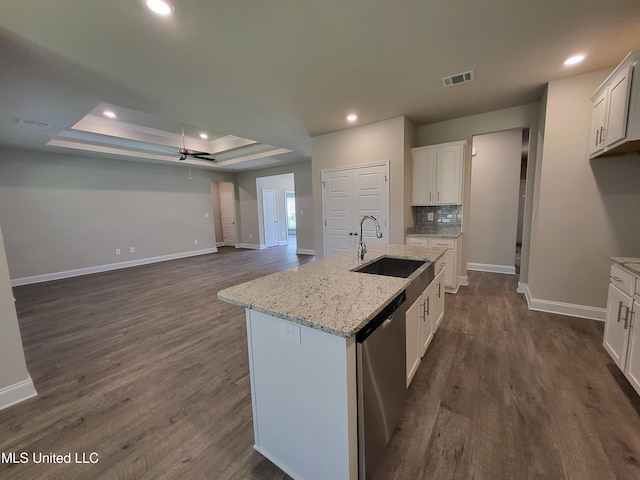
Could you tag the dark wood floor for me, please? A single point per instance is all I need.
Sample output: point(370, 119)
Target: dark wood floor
point(145, 367)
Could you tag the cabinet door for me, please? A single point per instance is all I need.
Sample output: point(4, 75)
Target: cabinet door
point(427, 318)
point(414, 331)
point(596, 142)
point(422, 164)
point(438, 300)
point(616, 332)
point(633, 358)
point(448, 176)
point(616, 125)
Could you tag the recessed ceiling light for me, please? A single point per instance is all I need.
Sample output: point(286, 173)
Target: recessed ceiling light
point(109, 113)
point(574, 60)
point(352, 117)
point(161, 7)
point(204, 136)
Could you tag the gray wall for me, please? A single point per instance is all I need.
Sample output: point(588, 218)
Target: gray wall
point(493, 207)
point(249, 216)
point(464, 129)
point(374, 143)
point(62, 212)
point(13, 369)
point(586, 211)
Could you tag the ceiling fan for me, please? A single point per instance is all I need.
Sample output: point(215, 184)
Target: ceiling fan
point(185, 153)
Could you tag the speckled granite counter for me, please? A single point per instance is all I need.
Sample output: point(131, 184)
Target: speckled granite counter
point(326, 294)
point(630, 263)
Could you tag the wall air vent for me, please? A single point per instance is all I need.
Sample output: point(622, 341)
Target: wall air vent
point(31, 123)
point(457, 79)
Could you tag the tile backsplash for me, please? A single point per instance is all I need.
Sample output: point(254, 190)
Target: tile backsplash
point(437, 216)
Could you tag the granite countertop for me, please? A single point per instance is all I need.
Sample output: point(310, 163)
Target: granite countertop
point(442, 232)
point(326, 294)
point(630, 263)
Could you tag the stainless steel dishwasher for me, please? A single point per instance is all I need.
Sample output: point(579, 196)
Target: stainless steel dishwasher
point(381, 371)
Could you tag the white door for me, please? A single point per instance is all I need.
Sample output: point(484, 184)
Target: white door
point(348, 195)
point(371, 198)
point(338, 226)
point(270, 212)
point(228, 212)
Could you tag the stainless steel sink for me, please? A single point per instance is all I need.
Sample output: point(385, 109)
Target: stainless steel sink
point(391, 267)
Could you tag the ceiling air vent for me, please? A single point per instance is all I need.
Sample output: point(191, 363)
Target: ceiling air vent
point(31, 123)
point(457, 79)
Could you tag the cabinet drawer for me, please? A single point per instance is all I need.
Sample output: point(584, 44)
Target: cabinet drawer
point(622, 279)
point(440, 264)
point(417, 241)
point(450, 243)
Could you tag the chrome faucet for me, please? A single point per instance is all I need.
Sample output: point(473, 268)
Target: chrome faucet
point(362, 247)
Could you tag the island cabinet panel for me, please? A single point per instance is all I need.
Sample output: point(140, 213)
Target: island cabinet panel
point(303, 389)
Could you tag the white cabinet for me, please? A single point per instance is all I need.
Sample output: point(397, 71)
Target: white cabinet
point(438, 299)
point(621, 332)
point(615, 121)
point(437, 174)
point(423, 318)
point(414, 337)
point(451, 259)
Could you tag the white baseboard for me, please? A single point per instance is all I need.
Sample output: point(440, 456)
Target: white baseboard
point(16, 393)
point(487, 267)
point(561, 308)
point(47, 277)
point(305, 251)
point(251, 246)
point(463, 280)
point(220, 244)
point(283, 242)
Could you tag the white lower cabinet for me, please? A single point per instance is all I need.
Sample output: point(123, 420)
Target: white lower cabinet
point(423, 318)
point(621, 332)
point(452, 257)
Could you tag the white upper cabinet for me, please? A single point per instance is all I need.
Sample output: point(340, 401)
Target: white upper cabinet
point(437, 174)
point(615, 124)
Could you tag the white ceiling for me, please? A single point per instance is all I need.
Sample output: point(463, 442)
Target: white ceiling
point(271, 74)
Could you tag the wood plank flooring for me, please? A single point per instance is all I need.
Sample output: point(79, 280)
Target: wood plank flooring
point(145, 367)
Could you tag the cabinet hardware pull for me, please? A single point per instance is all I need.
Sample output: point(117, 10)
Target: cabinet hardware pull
point(438, 197)
point(619, 310)
point(427, 307)
point(439, 292)
point(626, 318)
point(617, 279)
point(422, 315)
point(597, 135)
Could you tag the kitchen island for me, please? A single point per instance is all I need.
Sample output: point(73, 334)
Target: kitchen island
point(301, 330)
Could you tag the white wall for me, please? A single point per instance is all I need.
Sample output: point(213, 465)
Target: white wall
point(15, 383)
point(586, 211)
point(374, 143)
point(62, 213)
point(493, 207)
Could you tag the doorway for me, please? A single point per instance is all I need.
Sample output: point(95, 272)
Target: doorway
point(494, 201)
point(276, 210)
point(524, 159)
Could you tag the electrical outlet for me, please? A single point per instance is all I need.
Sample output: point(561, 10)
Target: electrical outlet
point(117, 251)
point(430, 216)
point(195, 241)
point(206, 214)
point(132, 250)
point(250, 236)
point(290, 331)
